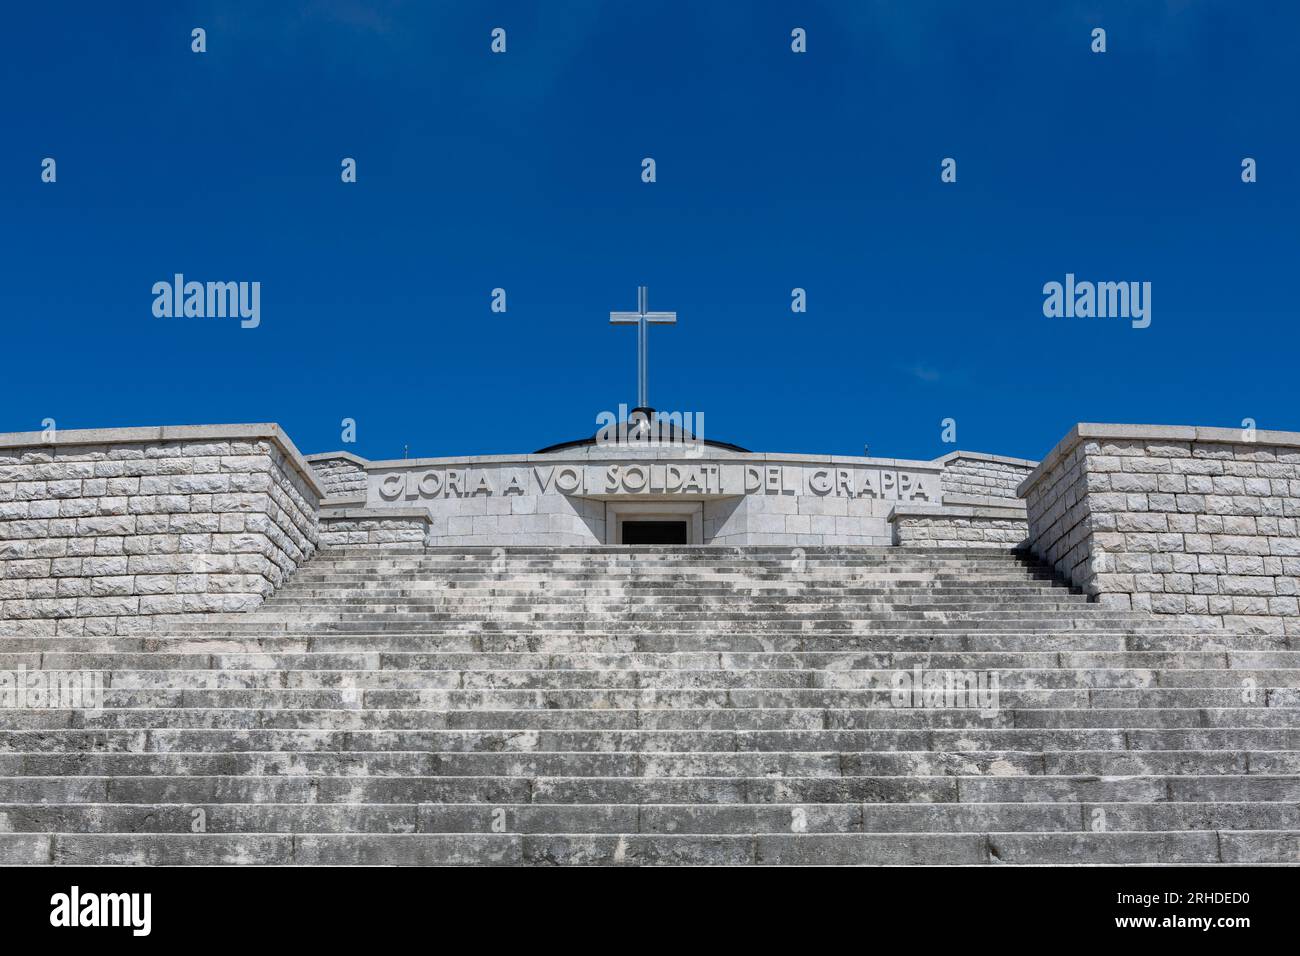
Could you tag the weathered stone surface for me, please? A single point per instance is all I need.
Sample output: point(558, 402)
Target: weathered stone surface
point(959, 526)
point(655, 706)
point(1200, 525)
point(108, 528)
point(341, 474)
point(576, 496)
point(373, 527)
point(522, 703)
point(969, 474)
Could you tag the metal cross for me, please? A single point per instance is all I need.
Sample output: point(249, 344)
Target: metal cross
point(642, 318)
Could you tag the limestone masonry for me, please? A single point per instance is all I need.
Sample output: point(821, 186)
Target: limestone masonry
point(1198, 524)
point(117, 530)
point(581, 497)
point(111, 531)
point(629, 654)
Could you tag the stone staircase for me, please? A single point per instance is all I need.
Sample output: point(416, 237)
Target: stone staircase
point(660, 705)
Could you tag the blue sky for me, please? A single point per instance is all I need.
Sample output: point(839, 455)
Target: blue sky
point(775, 171)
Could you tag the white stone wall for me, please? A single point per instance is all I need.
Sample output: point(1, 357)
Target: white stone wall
point(1057, 508)
point(797, 520)
point(970, 474)
point(341, 475)
point(562, 499)
point(1195, 523)
point(119, 530)
point(959, 527)
point(370, 528)
point(524, 520)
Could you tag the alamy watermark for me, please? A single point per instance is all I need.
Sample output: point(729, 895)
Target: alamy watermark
point(946, 690)
point(51, 690)
point(74, 908)
point(209, 300)
point(683, 430)
point(1101, 300)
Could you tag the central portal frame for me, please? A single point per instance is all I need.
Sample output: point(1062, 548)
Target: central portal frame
point(692, 512)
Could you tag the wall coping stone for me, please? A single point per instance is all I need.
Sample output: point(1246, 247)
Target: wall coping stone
point(344, 501)
point(168, 433)
point(379, 514)
point(1169, 433)
point(336, 456)
point(986, 501)
point(909, 510)
point(983, 456)
point(710, 453)
point(617, 453)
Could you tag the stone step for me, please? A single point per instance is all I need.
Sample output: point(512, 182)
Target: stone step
point(513, 573)
point(659, 552)
point(704, 558)
point(271, 619)
point(896, 583)
point(653, 699)
point(1182, 847)
point(704, 579)
point(734, 718)
point(665, 552)
point(663, 644)
point(739, 819)
point(785, 607)
point(216, 739)
point(686, 660)
point(922, 587)
point(497, 789)
point(674, 554)
point(790, 563)
point(884, 583)
point(900, 578)
point(885, 649)
point(705, 562)
point(623, 705)
point(616, 640)
point(801, 765)
point(722, 624)
point(900, 588)
point(1259, 681)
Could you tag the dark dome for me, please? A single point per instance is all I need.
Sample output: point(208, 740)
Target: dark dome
point(628, 432)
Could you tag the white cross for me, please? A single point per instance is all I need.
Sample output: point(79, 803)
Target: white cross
point(642, 319)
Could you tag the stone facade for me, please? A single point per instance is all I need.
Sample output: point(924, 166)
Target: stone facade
point(119, 530)
point(1057, 511)
point(373, 527)
point(1200, 524)
point(970, 475)
point(112, 531)
point(341, 474)
point(580, 496)
point(959, 526)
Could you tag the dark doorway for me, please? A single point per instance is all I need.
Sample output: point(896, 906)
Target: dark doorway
point(654, 532)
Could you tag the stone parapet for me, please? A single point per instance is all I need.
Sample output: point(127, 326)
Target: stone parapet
point(373, 527)
point(1200, 524)
point(113, 531)
point(959, 526)
point(974, 474)
point(341, 474)
point(578, 496)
